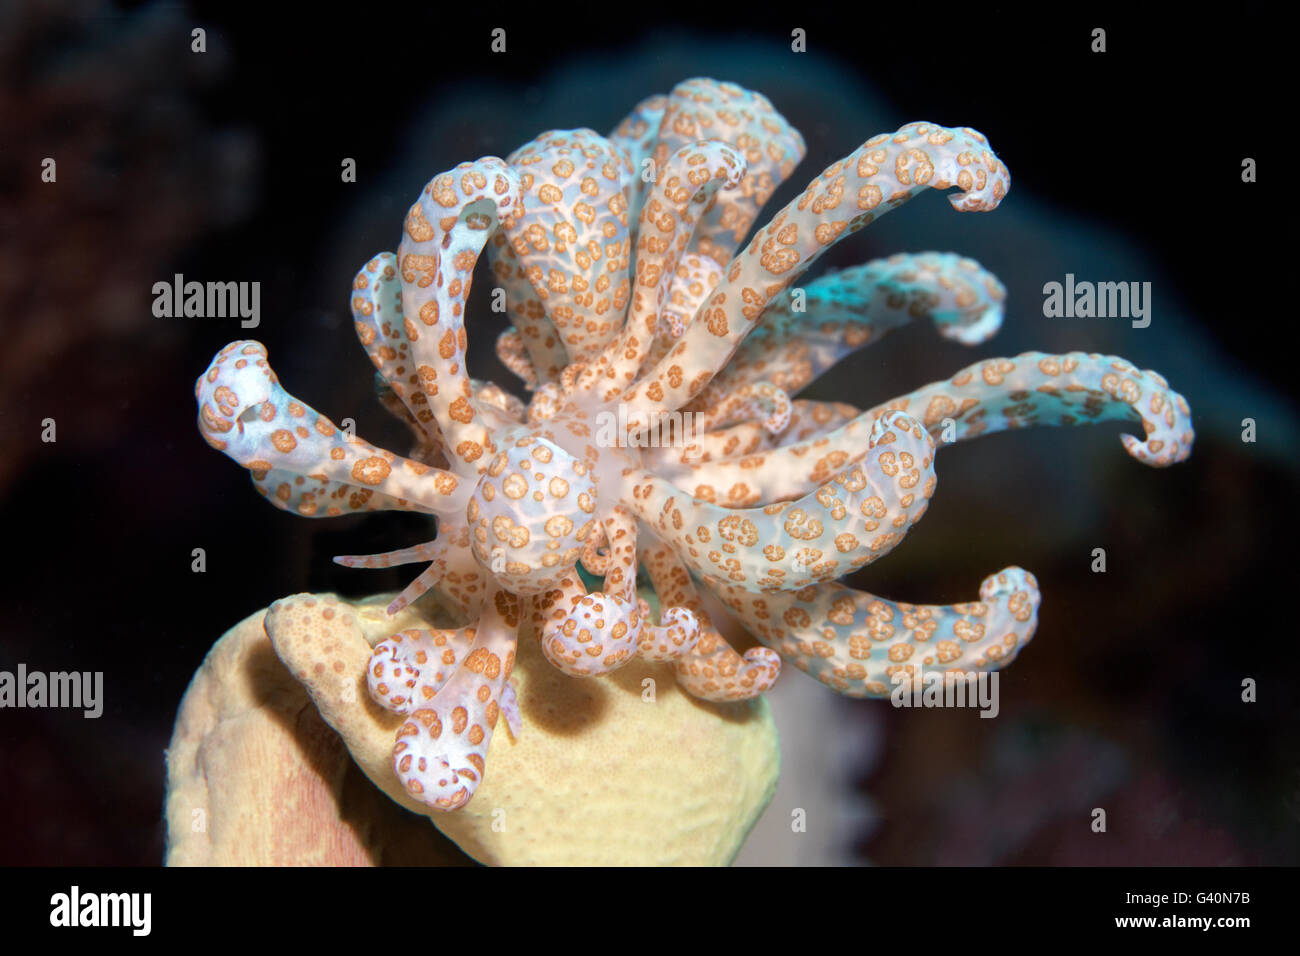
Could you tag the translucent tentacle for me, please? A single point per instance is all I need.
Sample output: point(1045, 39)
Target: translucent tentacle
point(636, 136)
point(586, 635)
point(441, 750)
point(450, 565)
point(500, 407)
point(856, 642)
point(427, 449)
point(739, 443)
point(881, 175)
point(444, 234)
point(595, 555)
point(686, 181)
point(319, 498)
point(420, 553)
point(758, 401)
point(245, 413)
point(1040, 389)
point(386, 334)
point(787, 545)
point(409, 668)
point(537, 334)
point(675, 636)
point(513, 354)
point(805, 331)
point(461, 582)
point(572, 240)
point(711, 669)
point(693, 280)
point(702, 108)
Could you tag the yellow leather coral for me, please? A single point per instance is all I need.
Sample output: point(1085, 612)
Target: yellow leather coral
point(629, 770)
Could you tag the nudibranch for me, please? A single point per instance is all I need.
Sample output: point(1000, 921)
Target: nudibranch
point(631, 301)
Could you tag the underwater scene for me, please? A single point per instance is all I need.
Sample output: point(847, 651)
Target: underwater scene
point(524, 439)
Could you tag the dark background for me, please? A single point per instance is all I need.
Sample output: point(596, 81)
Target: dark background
point(1125, 166)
